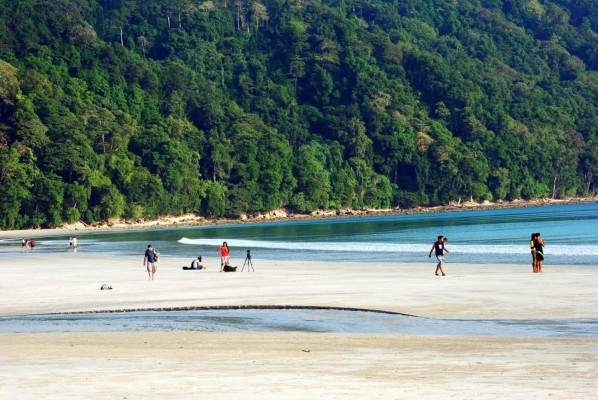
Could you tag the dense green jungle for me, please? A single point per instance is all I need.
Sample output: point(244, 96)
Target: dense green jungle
point(141, 108)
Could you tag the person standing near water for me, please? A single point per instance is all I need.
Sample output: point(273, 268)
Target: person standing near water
point(439, 248)
point(149, 261)
point(224, 259)
point(539, 247)
point(532, 246)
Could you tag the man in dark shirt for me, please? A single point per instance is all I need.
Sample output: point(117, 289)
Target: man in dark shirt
point(439, 248)
point(149, 261)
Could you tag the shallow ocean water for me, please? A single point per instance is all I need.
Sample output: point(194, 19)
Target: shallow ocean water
point(475, 237)
point(297, 320)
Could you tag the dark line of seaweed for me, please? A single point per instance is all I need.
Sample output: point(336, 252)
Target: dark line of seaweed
point(230, 307)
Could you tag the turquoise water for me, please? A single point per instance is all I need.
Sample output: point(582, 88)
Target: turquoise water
point(297, 320)
point(474, 237)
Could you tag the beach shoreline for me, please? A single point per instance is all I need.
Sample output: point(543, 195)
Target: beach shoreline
point(281, 215)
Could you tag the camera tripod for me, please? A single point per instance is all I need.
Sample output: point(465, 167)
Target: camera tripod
point(248, 263)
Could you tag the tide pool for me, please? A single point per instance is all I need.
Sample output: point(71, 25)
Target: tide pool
point(296, 320)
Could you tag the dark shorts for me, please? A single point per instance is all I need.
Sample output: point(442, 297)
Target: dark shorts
point(539, 256)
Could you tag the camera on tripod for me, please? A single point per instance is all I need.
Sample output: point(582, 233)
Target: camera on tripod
point(248, 262)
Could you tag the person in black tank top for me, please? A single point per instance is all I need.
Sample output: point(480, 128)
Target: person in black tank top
point(539, 247)
point(439, 247)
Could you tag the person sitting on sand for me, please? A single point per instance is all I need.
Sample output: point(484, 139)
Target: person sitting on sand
point(196, 264)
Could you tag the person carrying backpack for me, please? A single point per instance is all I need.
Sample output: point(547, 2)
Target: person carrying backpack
point(150, 262)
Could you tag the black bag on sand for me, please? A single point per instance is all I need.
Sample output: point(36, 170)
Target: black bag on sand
point(190, 266)
point(229, 268)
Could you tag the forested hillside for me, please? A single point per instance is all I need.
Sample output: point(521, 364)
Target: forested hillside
point(139, 108)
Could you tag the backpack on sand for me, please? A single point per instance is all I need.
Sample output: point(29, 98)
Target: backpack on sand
point(190, 266)
point(229, 268)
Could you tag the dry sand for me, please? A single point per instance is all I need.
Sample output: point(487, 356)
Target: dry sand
point(287, 365)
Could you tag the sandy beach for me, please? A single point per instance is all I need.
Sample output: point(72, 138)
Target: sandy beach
point(284, 365)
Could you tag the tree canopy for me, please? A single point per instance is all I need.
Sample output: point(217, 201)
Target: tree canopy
point(130, 108)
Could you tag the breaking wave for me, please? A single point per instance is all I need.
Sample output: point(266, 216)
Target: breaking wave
point(367, 247)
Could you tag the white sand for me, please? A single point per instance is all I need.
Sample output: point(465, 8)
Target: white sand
point(294, 365)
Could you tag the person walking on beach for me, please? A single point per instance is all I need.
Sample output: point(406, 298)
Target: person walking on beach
point(149, 261)
point(224, 260)
point(439, 247)
point(539, 247)
point(532, 246)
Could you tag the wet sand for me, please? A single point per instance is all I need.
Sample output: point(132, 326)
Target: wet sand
point(283, 365)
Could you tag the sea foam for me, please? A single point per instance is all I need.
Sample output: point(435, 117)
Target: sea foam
point(391, 247)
